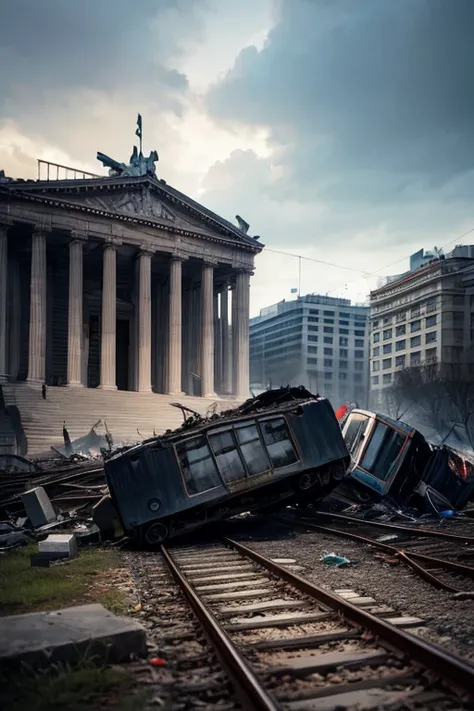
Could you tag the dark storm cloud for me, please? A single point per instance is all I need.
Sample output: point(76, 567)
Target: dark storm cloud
point(111, 44)
point(370, 97)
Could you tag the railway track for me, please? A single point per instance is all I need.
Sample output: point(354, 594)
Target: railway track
point(289, 644)
point(442, 558)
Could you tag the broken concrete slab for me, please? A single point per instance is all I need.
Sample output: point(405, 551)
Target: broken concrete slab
point(38, 507)
point(64, 543)
point(42, 638)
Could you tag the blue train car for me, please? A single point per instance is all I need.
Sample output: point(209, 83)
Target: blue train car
point(273, 450)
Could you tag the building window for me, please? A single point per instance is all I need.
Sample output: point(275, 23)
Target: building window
point(328, 329)
point(387, 320)
point(342, 376)
point(312, 361)
point(387, 334)
point(415, 358)
point(415, 326)
point(343, 353)
point(313, 319)
point(313, 339)
point(343, 364)
point(415, 311)
point(375, 324)
point(312, 349)
point(328, 313)
point(344, 315)
point(400, 345)
point(313, 328)
point(343, 341)
point(431, 337)
point(360, 334)
point(376, 351)
point(328, 351)
point(328, 320)
point(327, 363)
point(376, 337)
point(431, 305)
point(401, 316)
point(314, 311)
point(344, 331)
point(327, 376)
point(430, 355)
point(400, 361)
point(387, 348)
point(328, 339)
point(375, 365)
point(358, 354)
point(387, 379)
point(357, 377)
point(198, 467)
point(415, 341)
point(359, 343)
point(375, 380)
point(343, 323)
point(431, 321)
point(386, 363)
point(400, 330)
point(358, 365)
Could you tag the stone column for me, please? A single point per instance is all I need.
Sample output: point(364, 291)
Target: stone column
point(38, 325)
point(225, 345)
point(14, 319)
point(108, 372)
point(174, 366)
point(241, 334)
point(144, 320)
point(207, 330)
point(75, 317)
point(215, 311)
point(187, 342)
point(233, 358)
point(3, 300)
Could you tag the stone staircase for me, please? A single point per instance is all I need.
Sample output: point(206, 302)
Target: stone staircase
point(124, 412)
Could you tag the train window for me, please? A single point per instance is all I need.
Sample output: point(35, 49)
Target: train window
point(252, 449)
point(354, 433)
point(227, 457)
point(279, 445)
point(382, 453)
point(199, 470)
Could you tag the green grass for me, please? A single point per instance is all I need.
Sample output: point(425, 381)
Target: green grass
point(76, 688)
point(27, 589)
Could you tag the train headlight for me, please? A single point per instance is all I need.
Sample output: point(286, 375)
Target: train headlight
point(154, 504)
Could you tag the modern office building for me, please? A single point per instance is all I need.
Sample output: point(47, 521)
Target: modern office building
point(317, 341)
point(423, 316)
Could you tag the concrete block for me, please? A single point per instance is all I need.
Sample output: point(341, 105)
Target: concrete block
point(42, 638)
point(38, 507)
point(64, 543)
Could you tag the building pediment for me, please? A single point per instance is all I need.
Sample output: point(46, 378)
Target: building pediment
point(140, 200)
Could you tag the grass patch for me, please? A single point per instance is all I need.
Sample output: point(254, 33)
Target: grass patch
point(26, 589)
point(76, 688)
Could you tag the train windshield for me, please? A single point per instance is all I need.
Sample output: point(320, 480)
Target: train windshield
point(382, 455)
point(354, 433)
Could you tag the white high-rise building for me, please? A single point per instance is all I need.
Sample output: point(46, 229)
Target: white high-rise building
point(320, 342)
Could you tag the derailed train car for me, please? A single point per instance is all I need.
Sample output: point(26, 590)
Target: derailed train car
point(392, 460)
point(267, 453)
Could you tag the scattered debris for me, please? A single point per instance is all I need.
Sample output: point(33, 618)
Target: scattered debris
point(335, 561)
point(91, 446)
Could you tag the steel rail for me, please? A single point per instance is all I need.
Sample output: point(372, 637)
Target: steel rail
point(411, 558)
point(427, 532)
point(445, 665)
point(249, 690)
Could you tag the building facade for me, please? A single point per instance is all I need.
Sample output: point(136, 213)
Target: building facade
point(122, 282)
point(320, 342)
point(424, 316)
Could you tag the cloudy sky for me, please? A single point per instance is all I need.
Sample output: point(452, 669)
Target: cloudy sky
point(341, 130)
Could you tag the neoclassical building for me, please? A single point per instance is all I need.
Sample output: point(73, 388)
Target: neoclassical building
point(122, 282)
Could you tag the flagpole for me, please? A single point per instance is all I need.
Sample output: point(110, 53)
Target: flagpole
point(141, 134)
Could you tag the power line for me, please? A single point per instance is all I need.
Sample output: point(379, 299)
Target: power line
point(312, 259)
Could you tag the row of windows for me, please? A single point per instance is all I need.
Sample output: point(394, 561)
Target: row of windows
point(387, 334)
point(415, 341)
point(427, 306)
point(342, 314)
point(402, 362)
point(329, 363)
point(234, 454)
point(343, 352)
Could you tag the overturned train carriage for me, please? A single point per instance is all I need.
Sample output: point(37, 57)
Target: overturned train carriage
point(261, 456)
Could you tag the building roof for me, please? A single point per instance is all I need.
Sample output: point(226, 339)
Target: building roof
point(150, 201)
